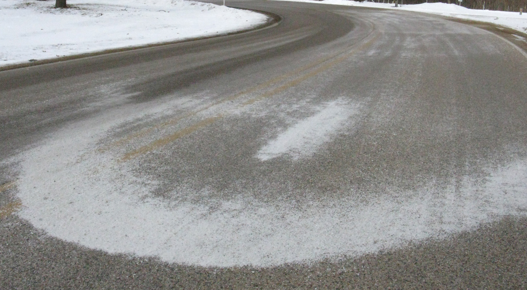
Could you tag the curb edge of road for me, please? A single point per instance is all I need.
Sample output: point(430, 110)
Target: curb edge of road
point(502, 32)
point(273, 19)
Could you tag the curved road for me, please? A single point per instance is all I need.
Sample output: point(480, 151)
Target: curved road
point(341, 147)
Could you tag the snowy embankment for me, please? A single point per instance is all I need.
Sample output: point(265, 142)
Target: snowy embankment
point(32, 29)
point(507, 19)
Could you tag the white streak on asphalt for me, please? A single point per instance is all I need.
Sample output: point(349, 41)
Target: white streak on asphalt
point(304, 138)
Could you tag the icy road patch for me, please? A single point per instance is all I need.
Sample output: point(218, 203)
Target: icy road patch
point(76, 192)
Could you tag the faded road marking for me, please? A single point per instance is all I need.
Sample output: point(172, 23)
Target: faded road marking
point(174, 121)
point(311, 74)
point(164, 141)
point(7, 186)
point(338, 58)
point(10, 208)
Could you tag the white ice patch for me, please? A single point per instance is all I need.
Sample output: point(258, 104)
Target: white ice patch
point(306, 137)
point(76, 193)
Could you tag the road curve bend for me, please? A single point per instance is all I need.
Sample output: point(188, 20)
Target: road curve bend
point(341, 147)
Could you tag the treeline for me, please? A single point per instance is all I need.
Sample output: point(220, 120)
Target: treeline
point(503, 5)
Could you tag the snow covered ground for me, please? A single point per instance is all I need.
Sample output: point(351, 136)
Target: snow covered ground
point(508, 19)
point(31, 29)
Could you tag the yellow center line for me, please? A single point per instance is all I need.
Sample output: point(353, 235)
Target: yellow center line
point(189, 130)
point(10, 208)
point(171, 138)
point(310, 74)
point(174, 121)
point(7, 186)
point(293, 83)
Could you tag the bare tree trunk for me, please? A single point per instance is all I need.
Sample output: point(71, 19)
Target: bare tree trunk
point(60, 4)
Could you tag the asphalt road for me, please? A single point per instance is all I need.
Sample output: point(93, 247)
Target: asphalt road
point(338, 148)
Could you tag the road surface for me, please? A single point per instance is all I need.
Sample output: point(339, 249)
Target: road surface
point(338, 148)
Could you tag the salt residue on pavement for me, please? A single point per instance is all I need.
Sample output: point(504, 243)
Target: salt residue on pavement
point(76, 192)
point(304, 138)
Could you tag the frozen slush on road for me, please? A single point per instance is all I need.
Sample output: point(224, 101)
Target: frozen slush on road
point(77, 192)
point(33, 29)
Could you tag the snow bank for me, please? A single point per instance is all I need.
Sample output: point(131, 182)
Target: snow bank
point(33, 29)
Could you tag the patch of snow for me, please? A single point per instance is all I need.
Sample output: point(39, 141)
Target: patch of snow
point(31, 29)
point(78, 193)
point(305, 137)
point(520, 38)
